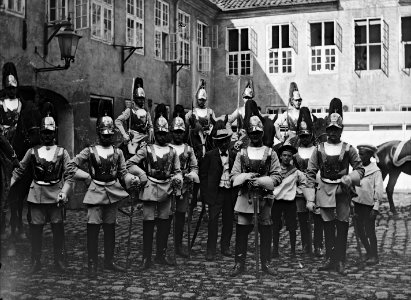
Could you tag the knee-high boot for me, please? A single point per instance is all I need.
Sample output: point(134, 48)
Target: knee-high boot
point(265, 242)
point(318, 235)
point(92, 248)
point(330, 261)
point(293, 239)
point(36, 239)
point(109, 246)
point(304, 231)
point(341, 245)
point(180, 220)
point(276, 240)
point(241, 239)
point(148, 232)
point(58, 245)
point(163, 231)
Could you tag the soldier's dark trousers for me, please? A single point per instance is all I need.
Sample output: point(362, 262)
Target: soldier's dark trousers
point(92, 246)
point(148, 232)
point(318, 231)
point(366, 229)
point(58, 243)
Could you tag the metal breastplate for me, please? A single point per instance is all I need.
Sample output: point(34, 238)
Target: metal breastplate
point(47, 171)
point(184, 157)
point(292, 123)
point(9, 117)
point(103, 169)
point(204, 121)
point(333, 167)
point(260, 166)
point(301, 163)
point(159, 167)
point(138, 124)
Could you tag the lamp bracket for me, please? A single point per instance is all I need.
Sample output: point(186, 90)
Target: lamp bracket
point(125, 48)
point(56, 27)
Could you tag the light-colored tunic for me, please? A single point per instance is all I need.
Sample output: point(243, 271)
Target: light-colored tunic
point(141, 114)
point(287, 190)
point(372, 187)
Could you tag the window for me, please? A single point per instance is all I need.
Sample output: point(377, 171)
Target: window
point(360, 108)
point(374, 108)
point(135, 24)
point(240, 44)
point(371, 45)
point(101, 104)
point(325, 38)
point(369, 108)
point(282, 39)
point(273, 110)
point(319, 109)
point(161, 29)
point(102, 21)
point(57, 10)
point(204, 52)
point(14, 7)
point(81, 14)
point(406, 40)
point(405, 108)
point(184, 37)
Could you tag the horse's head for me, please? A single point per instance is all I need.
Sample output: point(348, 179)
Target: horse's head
point(319, 126)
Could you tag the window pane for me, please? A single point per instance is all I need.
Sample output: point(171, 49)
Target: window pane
point(244, 39)
point(375, 57)
point(233, 40)
point(360, 33)
point(329, 33)
point(375, 33)
point(285, 36)
point(315, 34)
point(406, 29)
point(361, 58)
point(275, 37)
point(407, 54)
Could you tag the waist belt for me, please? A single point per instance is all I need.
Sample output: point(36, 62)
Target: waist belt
point(103, 183)
point(51, 182)
point(155, 180)
point(326, 180)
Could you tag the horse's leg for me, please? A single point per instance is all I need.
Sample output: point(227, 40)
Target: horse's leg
point(392, 180)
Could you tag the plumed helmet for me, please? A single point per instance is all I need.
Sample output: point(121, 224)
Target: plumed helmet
point(9, 75)
point(178, 124)
point(293, 92)
point(138, 91)
point(249, 90)
point(11, 81)
point(161, 124)
point(304, 122)
point(335, 114)
point(255, 124)
point(201, 91)
point(105, 125)
point(48, 122)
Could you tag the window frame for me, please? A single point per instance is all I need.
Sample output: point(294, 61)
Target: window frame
point(59, 16)
point(103, 5)
point(99, 97)
point(163, 29)
point(323, 109)
point(282, 50)
point(14, 10)
point(184, 39)
point(239, 52)
point(136, 20)
point(402, 46)
point(87, 14)
point(203, 48)
point(384, 44)
point(272, 108)
point(407, 106)
point(368, 108)
point(323, 48)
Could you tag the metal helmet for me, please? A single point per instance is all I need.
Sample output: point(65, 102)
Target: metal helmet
point(161, 124)
point(335, 114)
point(304, 129)
point(139, 93)
point(105, 125)
point(335, 120)
point(178, 124)
point(11, 81)
point(48, 123)
point(248, 91)
point(304, 122)
point(201, 92)
point(255, 124)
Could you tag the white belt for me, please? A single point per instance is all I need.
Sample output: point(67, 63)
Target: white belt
point(52, 182)
point(158, 180)
point(326, 180)
point(98, 182)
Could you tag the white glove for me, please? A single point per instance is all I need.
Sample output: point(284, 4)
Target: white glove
point(126, 138)
point(311, 206)
point(135, 182)
point(62, 199)
point(346, 181)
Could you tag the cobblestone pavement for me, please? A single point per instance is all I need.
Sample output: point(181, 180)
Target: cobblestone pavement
point(196, 278)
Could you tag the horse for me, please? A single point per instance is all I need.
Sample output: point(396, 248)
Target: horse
point(388, 166)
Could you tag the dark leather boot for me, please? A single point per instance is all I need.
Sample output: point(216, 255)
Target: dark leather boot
point(179, 226)
point(241, 240)
point(36, 238)
point(109, 246)
point(276, 240)
point(304, 231)
point(148, 232)
point(163, 230)
point(330, 262)
point(318, 235)
point(341, 245)
point(92, 248)
point(58, 245)
point(265, 241)
point(293, 239)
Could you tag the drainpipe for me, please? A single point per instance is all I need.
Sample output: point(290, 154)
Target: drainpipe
point(174, 66)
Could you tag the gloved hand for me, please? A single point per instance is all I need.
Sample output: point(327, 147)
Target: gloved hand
point(175, 182)
point(126, 138)
point(135, 182)
point(61, 199)
point(346, 182)
point(87, 181)
point(189, 177)
point(373, 214)
point(311, 206)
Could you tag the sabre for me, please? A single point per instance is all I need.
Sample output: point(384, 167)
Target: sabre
point(189, 216)
point(310, 232)
point(173, 210)
point(254, 191)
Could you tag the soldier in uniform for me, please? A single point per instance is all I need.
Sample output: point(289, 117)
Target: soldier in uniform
point(106, 168)
point(137, 119)
point(304, 142)
point(201, 118)
point(162, 166)
point(256, 169)
point(289, 118)
point(189, 169)
point(333, 158)
point(46, 164)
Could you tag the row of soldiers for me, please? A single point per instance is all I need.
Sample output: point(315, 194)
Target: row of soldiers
point(250, 182)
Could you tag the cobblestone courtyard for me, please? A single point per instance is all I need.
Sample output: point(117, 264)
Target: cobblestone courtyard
point(196, 278)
